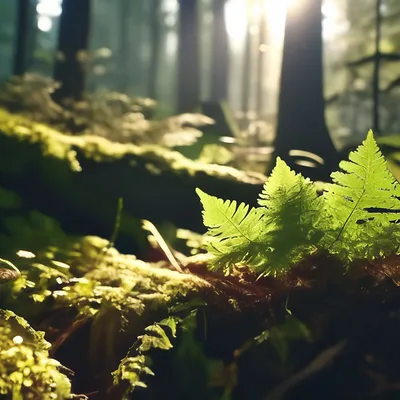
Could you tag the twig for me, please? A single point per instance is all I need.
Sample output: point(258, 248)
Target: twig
point(115, 232)
point(320, 362)
point(368, 59)
point(148, 226)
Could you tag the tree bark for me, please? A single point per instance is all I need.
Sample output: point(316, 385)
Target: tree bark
point(377, 64)
point(188, 57)
point(24, 38)
point(220, 53)
point(155, 48)
point(125, 47)
point(73, 40)
point(301, 119)
point(136, 67)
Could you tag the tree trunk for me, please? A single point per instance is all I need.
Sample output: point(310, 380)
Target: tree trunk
point(377, 62)
point(220, 53)
point(301, 116)
point(24, 37)
point(246, 75)
point(73, 39)
point(261, 58)
point(125, 47)
point(188, 62)
point(155, 47)
point(136, 67)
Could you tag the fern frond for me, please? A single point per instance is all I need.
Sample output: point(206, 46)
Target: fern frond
point(292, 210)
point(235, 231)
point(363, 202)
point(356, 218)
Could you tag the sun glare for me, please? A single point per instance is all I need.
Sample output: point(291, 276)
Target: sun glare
point(236, 20)
point(241, 15)
point(46, 11)
point(44, 23)
point(276, 17)
point(50, 8)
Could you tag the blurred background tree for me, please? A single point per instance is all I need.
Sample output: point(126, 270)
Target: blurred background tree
point(72, 49)
point(301, 122)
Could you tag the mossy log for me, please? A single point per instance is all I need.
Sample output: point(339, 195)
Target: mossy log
point(94, 305)
point(107, 314)
point(78, 179)
point(341, 327)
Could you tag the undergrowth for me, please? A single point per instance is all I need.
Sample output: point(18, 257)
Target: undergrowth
point(26, 370)
point(113, 115)
point(355, 218)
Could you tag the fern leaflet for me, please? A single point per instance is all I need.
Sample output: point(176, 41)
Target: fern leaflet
point(363, 203)
point(235, 231)
point(292, 209)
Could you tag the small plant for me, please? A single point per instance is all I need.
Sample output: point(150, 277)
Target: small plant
point(355, 218)
point(26, 369)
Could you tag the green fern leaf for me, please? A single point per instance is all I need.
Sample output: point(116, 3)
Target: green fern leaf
point(235, 231)
point(357, 217)
point(270, 238)
point(363, 203)
point(292, 210)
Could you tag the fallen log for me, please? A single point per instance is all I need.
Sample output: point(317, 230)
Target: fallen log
point(79, 179)
point(109, 317)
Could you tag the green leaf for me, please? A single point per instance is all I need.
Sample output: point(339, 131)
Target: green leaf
point(235, 230)
point(292, 211)
point(135, 366)
point(132, 369)
point(363, 202)
point(172, 323)
point(270, 238)
point(356, 218)
point(155, 338)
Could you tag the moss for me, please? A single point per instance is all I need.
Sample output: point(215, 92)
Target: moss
point(64, 147)
point(78, 180)
point(26, 370)
point(83, 277)
point(98, 280)
point(124, 282)
point(81, 272)
point(68, 279)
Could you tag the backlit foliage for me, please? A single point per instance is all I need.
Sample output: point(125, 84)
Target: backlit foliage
point(355, 218)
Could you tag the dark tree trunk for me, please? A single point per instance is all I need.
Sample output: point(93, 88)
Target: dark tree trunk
point(301, 116)
point(155, 47)
point(24, 38)
point(73, 39)
point(220, 53)
point(124, 49)
point(377, 62)
point(135, 65)
point(188, 62)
